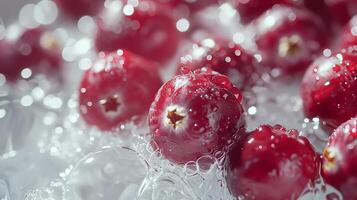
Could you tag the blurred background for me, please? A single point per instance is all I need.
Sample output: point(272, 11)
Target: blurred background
point(9, 9)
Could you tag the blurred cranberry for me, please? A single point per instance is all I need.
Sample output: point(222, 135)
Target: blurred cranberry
point(224, 57)
point(350, 53)
point(342, 10)
point(349, 34)
point(192, 5)
point(118, 87)
point(251, 9)
point(79, 8)
point(148, 30)
point(340, 160)
point(329, 90)
point(36, 49)
point(271, 163)
point(7, 61)
point(196, 114)
point(289, 38)
point(320, 8)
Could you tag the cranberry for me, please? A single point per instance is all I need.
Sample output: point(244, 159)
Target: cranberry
point(342, 10)
point(196, 114)
point(329, 90)
point(251, 9)
point(320, 8)
point(39, 47)
point(350, 53)
point(7, 60)
point(340, 159)
point(271, 163)
point(349, 34)
point(118, 87)
point(36, 49)
point(289, 38)
point(189, 4)
point(224, 57)
point(79, 8)
point(148, 30)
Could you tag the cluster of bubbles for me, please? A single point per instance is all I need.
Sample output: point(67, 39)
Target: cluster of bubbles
point(48, 153)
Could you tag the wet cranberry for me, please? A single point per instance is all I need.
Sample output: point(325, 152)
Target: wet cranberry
point(350, 53)
point(349, 34)
point(196, 114)
point(342, 10)
point(289, 38)
point(148, 30)
point(79, 8)
point(271, 163)
point(329, 90)
point(36, 49)
point(251, 9)
point(118, 87)
point(340, 159)
point(224, 57)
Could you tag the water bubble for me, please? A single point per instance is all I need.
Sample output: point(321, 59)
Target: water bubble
point(108, 174)
point(26, 17)
point(182, 25)
point(166, 186)
point(45, 12)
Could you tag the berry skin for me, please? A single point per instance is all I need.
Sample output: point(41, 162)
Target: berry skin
point(79, 8)
point(36, 49)
point(329, 90)
point(196, 114)
point(149, 31)
point(289, 38)
point(118, 87)
point(349, 34)
point(7, 60)
point(193, 5)
point(341, 10)
point(271, 163)
point(251, 9)
point(224, 57)
point(340, 160)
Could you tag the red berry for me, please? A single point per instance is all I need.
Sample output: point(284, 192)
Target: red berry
point(7, 61)
point(320, 8)
point(340, 159)
point(193, 6)
point(350, 53)
point(147, 29)
point(224, 57)
point(271, 163)
point(289, 38)
point(251, 9)
point(118, 87)
point(349, 34)
point(196, 114)
point(79, 8)
point(342, 10)
point(36, 49)
point(329, 90)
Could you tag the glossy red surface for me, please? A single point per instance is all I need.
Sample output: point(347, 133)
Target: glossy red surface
point(118, 87)
point(196, 114)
